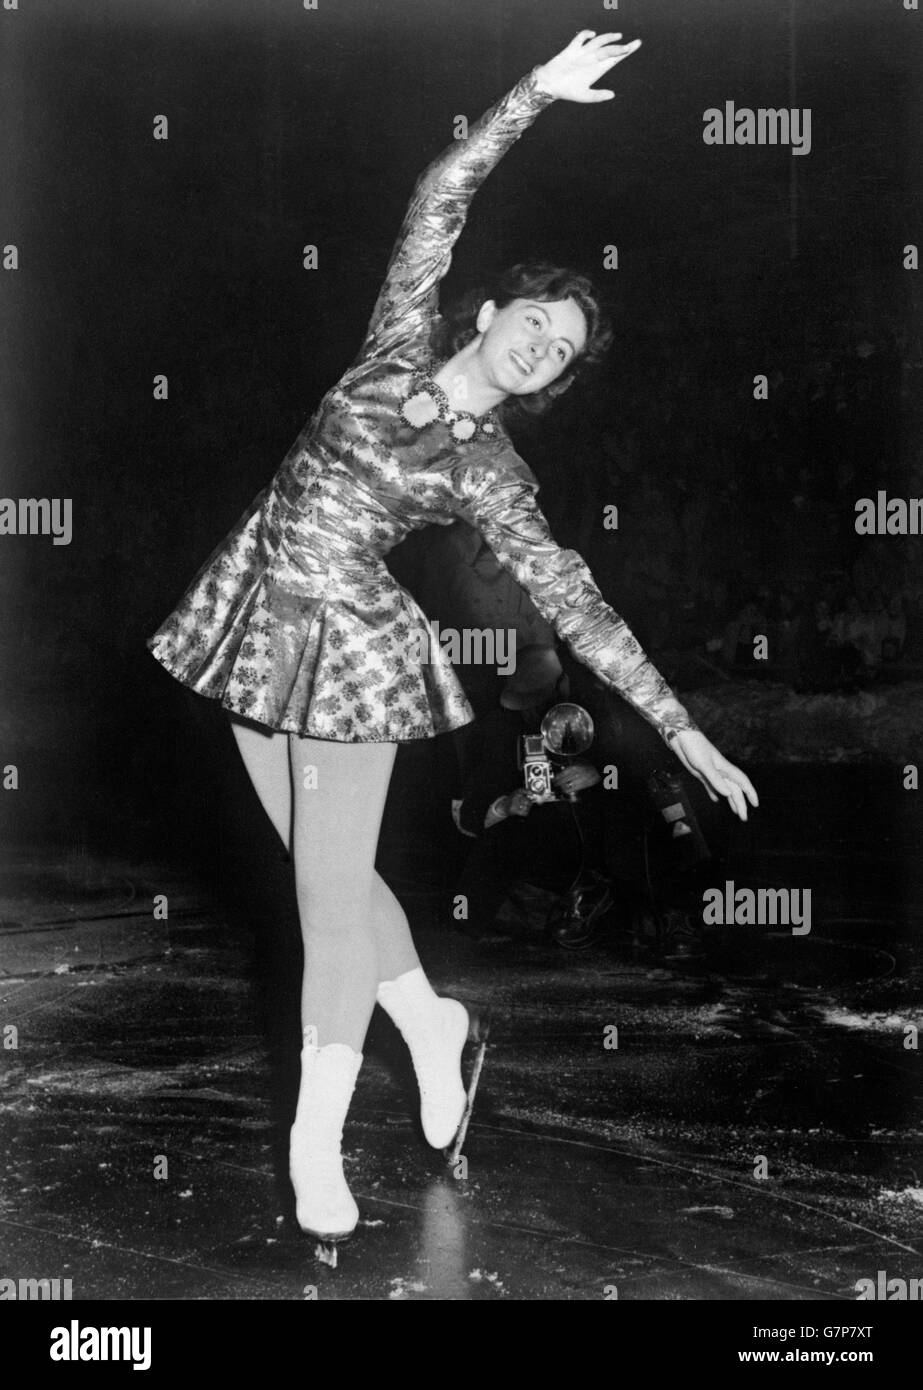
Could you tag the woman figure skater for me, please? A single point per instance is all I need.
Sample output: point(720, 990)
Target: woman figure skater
point(296, 627)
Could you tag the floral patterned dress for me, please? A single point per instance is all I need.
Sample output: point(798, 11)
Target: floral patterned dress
point(294, 620)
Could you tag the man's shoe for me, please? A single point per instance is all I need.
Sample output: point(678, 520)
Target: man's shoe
point(683, 938)
point(583, 919)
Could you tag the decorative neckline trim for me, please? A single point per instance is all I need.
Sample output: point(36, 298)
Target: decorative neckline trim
point(426, 402)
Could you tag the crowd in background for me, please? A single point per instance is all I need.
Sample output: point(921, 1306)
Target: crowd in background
point(823, 637)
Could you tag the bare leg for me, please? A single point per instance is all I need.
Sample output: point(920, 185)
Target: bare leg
point(396, 951)
point(339, 795)
point(266, 758)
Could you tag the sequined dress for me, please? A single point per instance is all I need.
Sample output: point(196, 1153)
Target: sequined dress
point(294, 620)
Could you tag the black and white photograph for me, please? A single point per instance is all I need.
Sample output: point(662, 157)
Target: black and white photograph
point(461, 654)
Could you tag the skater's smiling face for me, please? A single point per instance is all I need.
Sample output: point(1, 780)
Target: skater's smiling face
point(529, 343)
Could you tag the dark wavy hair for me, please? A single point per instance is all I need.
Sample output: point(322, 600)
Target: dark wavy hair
point(540, 281)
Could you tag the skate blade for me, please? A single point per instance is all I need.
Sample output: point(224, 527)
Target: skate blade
point(326, 1252)
point(326, 1246)
point(478, 1024)
point(478, 1033)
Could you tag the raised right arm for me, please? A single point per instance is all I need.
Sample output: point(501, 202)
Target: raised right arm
point(436, 215)
point(442, 195)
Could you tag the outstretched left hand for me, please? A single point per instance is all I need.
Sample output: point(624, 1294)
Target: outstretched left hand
point(712, 769)
point(571, 73)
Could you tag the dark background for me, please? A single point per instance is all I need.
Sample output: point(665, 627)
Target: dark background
point(289, 127)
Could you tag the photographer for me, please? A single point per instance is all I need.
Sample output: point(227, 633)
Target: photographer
point(547, 842)
point(645, 841)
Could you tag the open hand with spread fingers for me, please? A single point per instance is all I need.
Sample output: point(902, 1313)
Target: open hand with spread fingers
point(571, 73)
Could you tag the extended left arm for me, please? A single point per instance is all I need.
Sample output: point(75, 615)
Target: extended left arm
point(501, 504)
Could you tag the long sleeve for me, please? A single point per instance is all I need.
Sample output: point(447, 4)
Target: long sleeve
point(500, 502)
point(436, 215)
